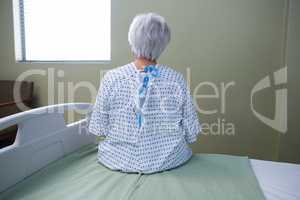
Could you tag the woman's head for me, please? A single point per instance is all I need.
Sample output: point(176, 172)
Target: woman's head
point(148, 36)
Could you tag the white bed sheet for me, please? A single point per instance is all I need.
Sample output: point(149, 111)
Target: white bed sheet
point(279, 181)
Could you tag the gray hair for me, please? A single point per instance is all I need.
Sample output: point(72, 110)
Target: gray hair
point(148, 35)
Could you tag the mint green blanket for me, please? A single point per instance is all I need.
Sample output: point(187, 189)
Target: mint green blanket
point(80, 176)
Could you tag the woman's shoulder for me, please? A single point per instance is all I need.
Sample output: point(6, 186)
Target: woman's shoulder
point(118, 73)
point(168, 73)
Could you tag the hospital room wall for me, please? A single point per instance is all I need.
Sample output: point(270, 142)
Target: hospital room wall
point(290, 143)
point(233, 43)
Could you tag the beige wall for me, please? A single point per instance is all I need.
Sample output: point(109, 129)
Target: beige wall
point(220, 41)
point(290, 142)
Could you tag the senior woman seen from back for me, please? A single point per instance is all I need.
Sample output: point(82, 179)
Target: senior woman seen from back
point(144, 109)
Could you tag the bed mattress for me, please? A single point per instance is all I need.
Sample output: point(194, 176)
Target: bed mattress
point(279, 181)
point(205, 176)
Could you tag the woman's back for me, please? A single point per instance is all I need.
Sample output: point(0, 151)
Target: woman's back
point(147, 118)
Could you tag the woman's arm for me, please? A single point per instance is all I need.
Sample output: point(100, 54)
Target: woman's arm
point(190, 119)
point(99, 120)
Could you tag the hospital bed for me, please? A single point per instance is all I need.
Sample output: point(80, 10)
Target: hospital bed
point(44, 141)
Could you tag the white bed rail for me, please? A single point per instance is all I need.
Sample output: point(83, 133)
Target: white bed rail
point(42, 137)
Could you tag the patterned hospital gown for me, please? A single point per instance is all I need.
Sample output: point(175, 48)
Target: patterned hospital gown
point(169, 120)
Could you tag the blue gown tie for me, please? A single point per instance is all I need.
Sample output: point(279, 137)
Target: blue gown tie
point(151, 72)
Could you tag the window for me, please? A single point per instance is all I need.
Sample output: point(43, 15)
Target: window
point(62, 30)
